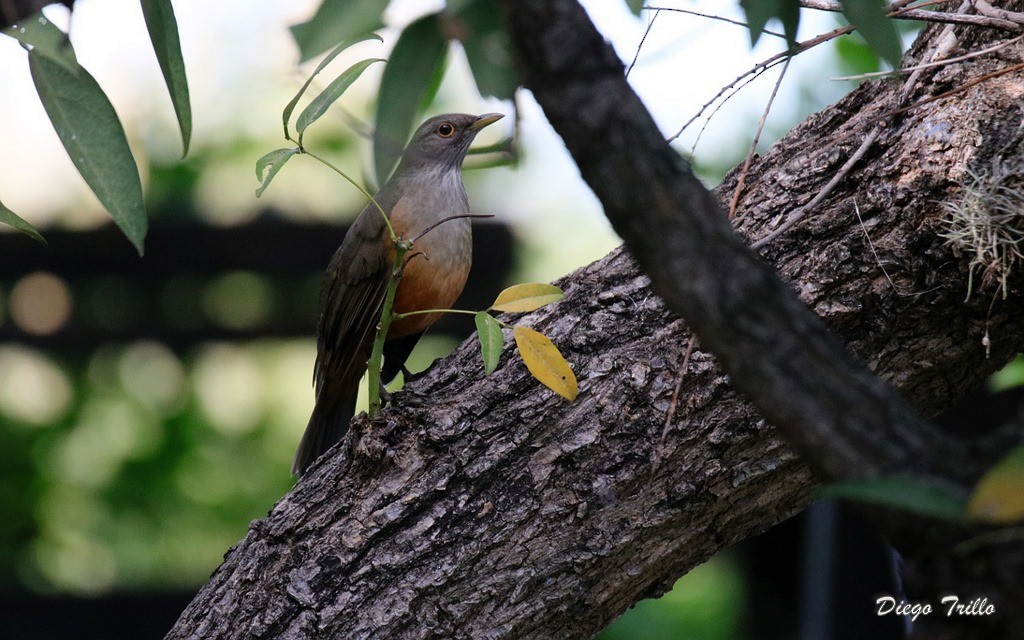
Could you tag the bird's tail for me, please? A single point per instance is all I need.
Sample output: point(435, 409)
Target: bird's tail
point(327, 425)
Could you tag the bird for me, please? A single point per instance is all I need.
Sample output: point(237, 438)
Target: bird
point(420, 197)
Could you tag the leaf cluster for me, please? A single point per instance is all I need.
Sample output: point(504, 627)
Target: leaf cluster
point(85, 120)
point(417, 61)
point(541, 357)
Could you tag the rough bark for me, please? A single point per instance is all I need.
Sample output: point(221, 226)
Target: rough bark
point(496, 509)
point(844, 421)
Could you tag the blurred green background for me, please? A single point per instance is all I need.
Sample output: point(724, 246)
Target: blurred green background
point(149, 413)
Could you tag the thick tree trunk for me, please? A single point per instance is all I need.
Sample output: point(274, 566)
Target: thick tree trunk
point(498, 510)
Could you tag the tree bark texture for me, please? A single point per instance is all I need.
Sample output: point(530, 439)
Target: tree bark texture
point(487, 507)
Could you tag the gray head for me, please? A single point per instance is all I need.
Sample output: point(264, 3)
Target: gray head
point(440, 143)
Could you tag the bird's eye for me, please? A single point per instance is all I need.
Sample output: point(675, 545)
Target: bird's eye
point(445, 130)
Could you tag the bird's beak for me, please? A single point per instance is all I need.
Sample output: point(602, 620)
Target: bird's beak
point(484, 120)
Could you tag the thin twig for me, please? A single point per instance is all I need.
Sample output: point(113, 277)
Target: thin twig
point(650, 24)
point(953, 92)
point(753, 144)
point(449, 219)
point(725, 100)
point(377, 352)
point(671, 414)
point(362, 190)
point(840, 175)
point(986, 9)
point(996, 21)
point(871, 244)
point(896, 10)
point(938, 63)
point(711, 16)
point(762, 66)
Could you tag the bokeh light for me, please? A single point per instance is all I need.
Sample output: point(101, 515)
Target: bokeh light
point(40, 303)
point(33, 389)
point(152, 374)
point(109, 431)
point(230, 388)
point(238, 300)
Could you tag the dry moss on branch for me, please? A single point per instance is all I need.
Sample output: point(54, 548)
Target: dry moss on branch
point(987, 224)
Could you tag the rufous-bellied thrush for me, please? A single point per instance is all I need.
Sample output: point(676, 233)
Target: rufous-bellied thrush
point(419, 198)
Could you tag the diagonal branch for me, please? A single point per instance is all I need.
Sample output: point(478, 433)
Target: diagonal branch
point(841, 416)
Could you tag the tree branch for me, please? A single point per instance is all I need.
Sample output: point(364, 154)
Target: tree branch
point(487, 507)
point(994, 19)
point(776, 350)
point(839, 415)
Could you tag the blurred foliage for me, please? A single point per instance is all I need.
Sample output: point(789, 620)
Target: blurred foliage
point(705, 604)
point(137, 467)
point(1012, 375)
point(998, 498)
point(855, 56)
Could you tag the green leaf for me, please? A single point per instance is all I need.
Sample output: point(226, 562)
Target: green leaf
point(998, 497)
point(1011, 375)
point(527, 297)
point(636, 6)
point(789, 16)
point(274, 160)
point(906, 493)
point(12, 219)
point(489, 49)
point(410, 79)
point(759, 12)
point(855, 56)
point(286, 115)
point(327, 97)
point(163, 33)
point(336, 21)
point(87, 125)
point(491, 340)
point(545, 362)
point(45, 39)
point(876, 28)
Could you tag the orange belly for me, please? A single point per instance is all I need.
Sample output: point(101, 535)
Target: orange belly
point(435, 273)
point(425, 287)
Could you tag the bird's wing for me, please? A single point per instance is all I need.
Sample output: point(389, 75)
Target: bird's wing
point(353, 294)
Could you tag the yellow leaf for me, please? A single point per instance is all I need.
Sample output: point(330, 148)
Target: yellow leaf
point(999, 495)
point(527, 297)
point(545, 362)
